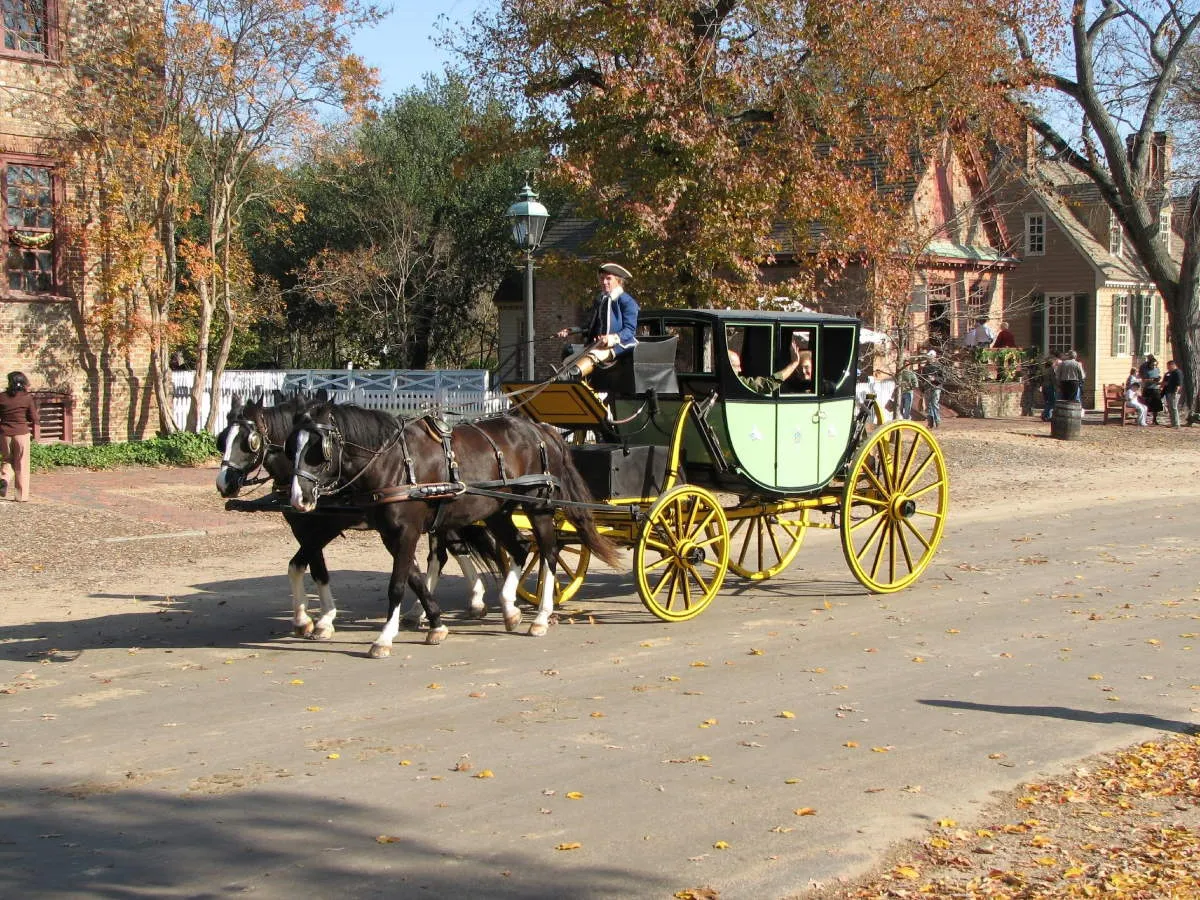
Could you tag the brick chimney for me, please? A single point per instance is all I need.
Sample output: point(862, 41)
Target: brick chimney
point(1158, 159)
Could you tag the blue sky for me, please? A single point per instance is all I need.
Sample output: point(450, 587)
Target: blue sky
point(401, 46)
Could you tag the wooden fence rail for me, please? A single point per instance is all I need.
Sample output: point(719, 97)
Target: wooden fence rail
point(452, 393)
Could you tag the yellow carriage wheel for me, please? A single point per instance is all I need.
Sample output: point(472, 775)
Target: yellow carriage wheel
point(572, 568)
point(894, 507)
point(682, 553)
point(765, 545)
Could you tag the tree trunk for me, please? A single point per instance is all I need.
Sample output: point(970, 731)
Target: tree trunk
point(1183, 314)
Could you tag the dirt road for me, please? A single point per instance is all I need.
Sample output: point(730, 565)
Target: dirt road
point(163, 736)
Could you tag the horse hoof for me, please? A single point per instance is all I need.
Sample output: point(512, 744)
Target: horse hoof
point(537, 629)
point(437, 635)
point(411, 624)
point(302, 631)
point(475, 613)
point(379, 651)
point(511, 622)
point(322, 634)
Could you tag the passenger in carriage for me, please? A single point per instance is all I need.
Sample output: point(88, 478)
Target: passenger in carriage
point(611, 329)
point(769, 384)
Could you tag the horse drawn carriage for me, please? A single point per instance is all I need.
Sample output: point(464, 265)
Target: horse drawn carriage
point(715, 445)
point(707, 461)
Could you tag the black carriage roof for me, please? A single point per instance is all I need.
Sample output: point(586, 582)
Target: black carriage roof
point(749, 315)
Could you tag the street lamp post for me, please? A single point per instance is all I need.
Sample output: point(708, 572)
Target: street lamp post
point(528, 219)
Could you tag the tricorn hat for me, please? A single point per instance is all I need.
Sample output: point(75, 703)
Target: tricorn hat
point(612, 268)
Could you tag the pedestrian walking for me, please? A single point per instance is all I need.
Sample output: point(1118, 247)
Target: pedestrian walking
point(18, 422)
point(932, 378)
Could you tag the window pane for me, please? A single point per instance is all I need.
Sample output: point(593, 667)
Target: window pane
point(29, 216)
point(24, 25)
point(1060, 321)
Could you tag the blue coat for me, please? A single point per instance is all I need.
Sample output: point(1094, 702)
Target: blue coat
point(617, 317)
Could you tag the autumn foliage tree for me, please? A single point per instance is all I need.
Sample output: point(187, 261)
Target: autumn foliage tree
point(695, 127)
point(249, 80)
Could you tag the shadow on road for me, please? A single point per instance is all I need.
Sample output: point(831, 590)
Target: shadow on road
point(256, 612)
point(1074, 715)
point(119, 842)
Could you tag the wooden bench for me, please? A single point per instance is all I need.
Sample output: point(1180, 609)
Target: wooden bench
point(1115, 407)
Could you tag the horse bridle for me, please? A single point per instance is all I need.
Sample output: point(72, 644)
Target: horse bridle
point(331, 438)
point(255, 443)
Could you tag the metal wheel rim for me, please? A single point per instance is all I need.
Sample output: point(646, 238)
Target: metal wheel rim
point(894, 507)
point(682, 554)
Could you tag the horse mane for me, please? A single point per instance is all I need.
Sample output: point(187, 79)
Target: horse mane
point(363, 427)
point(276, 421)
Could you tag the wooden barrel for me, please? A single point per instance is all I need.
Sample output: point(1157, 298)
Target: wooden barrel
point(1067, 420)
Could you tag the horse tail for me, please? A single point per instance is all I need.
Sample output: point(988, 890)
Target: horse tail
point(575, 490)
point(481, 547)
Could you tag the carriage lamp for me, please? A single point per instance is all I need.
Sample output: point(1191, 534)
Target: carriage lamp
point(528, 219)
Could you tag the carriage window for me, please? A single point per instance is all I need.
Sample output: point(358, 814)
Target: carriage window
point(795, 360)
point(693, 353)
point(837, 365)
point(750, 356)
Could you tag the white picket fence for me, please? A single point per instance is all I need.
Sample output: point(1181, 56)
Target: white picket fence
point(452, 393)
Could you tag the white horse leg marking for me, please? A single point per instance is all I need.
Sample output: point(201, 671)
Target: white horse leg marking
point(433, 570)
point(508, 597)
point(475, 606)
point(412, 614)
point(541, 623)
point(297, 496)
point(324, 630)
point(382, 648)
point(302, 625)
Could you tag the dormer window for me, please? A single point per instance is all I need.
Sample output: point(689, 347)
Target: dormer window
point(1035, 234)
point(1116, 235)
point(1164, 226)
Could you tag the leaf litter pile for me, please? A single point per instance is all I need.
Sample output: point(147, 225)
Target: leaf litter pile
point(1125, 825)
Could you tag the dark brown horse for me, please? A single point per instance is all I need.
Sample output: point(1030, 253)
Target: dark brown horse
point(413, 478)
point(252, 442)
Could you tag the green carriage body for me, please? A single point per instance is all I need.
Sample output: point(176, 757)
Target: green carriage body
point(792, 439)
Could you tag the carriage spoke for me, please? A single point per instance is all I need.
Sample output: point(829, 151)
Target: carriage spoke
point(704, 586)
point(908, 558)
point(878, 485)
point(859, 524)
point(657, 545)
point(668, 581)
point(745, 543)
point(661, 561)
point(925, 490)
point(902, 479)
point(882, 534)
point(774, 545)
point(874, 536)
point(917, 533)
point(920, 471)
point(870, 501)
point(712, 514)
point(681, 577)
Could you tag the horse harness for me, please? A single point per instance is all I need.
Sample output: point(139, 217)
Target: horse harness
point(503, 488)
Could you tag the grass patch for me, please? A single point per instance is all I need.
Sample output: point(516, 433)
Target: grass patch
point(184, 448)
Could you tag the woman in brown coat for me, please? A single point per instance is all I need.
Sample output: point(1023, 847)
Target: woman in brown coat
point(18, 421)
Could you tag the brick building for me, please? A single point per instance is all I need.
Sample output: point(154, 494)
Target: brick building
point(49, 301)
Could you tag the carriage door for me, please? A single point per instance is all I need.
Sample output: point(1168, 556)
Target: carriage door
point(837, 379)
point(796, 428)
